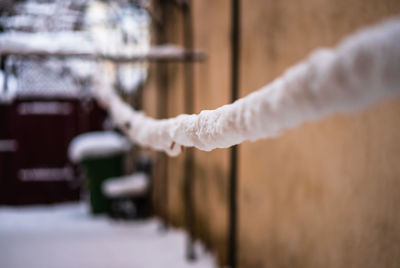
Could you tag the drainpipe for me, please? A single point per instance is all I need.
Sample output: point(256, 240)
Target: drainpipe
point(233, 180)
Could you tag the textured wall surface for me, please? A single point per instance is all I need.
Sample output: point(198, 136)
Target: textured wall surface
point(327, 193)
point(323, 195)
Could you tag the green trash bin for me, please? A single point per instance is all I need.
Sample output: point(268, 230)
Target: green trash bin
point(101, 155)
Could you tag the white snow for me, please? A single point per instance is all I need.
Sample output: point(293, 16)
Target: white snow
point(136, 184)
point(9, 93)
point(97, 144)
point(37, 15)
point(132, 76)
point(51, 42)
point(130, 36)
point(40, 9)
point(363, 69)
point(65, 236)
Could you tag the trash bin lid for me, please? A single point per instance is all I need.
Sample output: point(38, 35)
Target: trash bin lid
point(97, 144)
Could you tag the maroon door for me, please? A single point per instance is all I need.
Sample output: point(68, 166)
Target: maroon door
point(38, 169)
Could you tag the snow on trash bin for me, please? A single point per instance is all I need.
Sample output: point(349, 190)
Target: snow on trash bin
point(133, 185)
point(97, 144)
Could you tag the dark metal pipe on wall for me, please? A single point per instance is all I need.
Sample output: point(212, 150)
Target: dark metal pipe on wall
point(233, 180)
point(189, 109)
point(162, 110)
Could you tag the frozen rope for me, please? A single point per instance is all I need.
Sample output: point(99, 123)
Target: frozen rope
point(363, 69)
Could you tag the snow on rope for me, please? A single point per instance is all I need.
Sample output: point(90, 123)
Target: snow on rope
point(363, 69)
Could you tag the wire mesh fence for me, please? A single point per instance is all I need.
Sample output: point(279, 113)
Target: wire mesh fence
point(47, 77)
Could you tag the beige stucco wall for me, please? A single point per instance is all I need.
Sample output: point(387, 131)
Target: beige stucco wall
point(323, 195)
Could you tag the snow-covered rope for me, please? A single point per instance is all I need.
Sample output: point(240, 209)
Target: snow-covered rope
point(363, 69)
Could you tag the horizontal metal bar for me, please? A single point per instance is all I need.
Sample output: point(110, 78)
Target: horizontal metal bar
point(8, 145)
point(156, 53)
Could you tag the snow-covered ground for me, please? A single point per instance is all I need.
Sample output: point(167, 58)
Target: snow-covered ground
point(67, 236)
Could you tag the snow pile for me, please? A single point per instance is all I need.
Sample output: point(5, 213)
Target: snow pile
point(66, 236)
point(51, 42)
point(136, 184)
point(97, 144)
point(363, 69)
